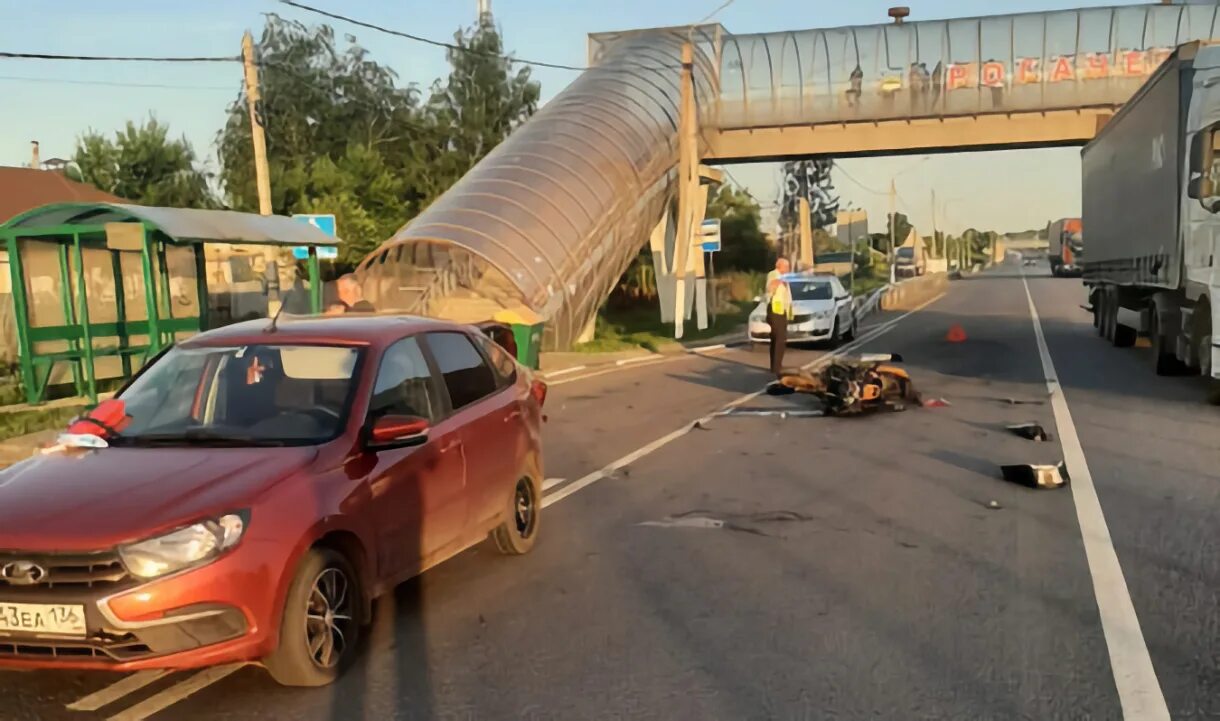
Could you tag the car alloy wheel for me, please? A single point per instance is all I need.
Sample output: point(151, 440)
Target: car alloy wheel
point(525, 509)
point(329, 617)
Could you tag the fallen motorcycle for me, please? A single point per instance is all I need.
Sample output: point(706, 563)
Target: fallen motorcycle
point(850, 386)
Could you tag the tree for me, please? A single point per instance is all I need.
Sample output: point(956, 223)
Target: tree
point(483, 100)
point(343, 138)
point(901, 226)
point(743, 245)
point(142, 164)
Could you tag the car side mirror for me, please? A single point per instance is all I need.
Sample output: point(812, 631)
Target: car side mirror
point(398, 432)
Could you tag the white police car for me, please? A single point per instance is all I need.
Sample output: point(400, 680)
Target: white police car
point(821, 310)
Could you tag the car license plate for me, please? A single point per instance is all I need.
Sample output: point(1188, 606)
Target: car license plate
point(42, 618)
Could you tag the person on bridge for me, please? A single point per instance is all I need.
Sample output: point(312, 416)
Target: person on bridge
point(779, 310)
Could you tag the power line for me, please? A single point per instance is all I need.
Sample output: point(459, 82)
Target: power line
point(864, 187)
point(716, 12)
point(121, 58)
point(430, 41)
point(112, 83)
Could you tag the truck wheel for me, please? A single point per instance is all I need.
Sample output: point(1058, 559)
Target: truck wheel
point(1165, 361)
point(1124, 335)
point(1109, 317)
point(1098, 312)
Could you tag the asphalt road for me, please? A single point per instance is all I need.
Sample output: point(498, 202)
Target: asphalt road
point(884, 587)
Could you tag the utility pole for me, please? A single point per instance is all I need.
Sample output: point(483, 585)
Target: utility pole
point(893, 222)
point(35, 160)
point(253, 99)
point(935, 240)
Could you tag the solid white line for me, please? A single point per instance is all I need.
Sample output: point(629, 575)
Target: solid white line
point(637, 359)
point(117, 690)
point(550, 483)
point(619, 369)
point(564, 372)
point(178, 692)
point(1139, 692)
point(591, 478)
point(706, 348)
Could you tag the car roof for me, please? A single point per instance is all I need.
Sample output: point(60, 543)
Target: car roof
point(809, 277)
point(350, 329)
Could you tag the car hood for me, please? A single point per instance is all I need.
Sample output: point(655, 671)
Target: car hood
point(90, 500)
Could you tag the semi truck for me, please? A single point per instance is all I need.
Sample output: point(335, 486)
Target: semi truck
point(1151, 194)
point(1066, 247)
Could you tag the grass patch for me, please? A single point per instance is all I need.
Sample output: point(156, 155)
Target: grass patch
point(23, 422)
point(621, 329)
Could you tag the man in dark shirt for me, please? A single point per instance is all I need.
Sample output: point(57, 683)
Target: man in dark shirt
point(351, 296)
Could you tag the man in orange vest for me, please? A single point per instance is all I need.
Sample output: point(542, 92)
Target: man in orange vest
point(779, 311)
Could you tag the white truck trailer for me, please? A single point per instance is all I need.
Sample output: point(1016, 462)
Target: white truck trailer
point(1151, 194)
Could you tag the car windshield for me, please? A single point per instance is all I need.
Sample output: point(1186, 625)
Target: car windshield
point(811, 290)
point(244, 395)
point(905, 253)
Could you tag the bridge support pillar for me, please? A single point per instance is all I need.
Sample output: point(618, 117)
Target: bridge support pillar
point(692, 196)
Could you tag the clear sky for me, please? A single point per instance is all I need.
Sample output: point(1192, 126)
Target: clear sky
point(53, 102)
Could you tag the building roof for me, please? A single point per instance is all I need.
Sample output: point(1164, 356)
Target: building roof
point(22, 189)
point(182, 225)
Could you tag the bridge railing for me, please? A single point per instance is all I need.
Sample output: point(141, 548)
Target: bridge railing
point(1000, 64)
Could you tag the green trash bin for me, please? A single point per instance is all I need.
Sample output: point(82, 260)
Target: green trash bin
point(529, 341)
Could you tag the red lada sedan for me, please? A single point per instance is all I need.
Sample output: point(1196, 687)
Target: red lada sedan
point(254, 488)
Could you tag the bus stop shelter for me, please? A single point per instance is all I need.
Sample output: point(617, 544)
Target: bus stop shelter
point(98, 288)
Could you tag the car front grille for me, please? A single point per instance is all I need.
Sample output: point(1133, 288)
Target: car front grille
point(63, 570)
point(801, 319)
point(115, 648)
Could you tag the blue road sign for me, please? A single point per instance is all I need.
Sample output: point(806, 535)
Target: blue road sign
point(709, 235)
point(324, 223)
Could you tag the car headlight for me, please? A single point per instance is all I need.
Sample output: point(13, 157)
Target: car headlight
point(193, 545)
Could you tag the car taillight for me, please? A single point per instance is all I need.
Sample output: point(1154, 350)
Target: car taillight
point(538, 391)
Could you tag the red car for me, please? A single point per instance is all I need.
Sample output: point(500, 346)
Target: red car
point(247, 495)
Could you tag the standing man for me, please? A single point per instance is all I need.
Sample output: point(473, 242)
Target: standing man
point(351, 296)
point(779, 310)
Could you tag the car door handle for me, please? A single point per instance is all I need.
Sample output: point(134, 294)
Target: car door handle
point(512, 416)
point(451, 445)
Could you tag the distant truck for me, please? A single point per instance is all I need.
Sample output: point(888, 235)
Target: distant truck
point(1066, 247)
point(911, 259)
point(1150, 203)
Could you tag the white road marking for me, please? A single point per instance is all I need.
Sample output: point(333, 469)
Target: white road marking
point(178, 692)
point(630, 361)
point(1139, 691)
point(707, 348)
point(555, 374)
point(550, 483)
point(619, 369)
point(117, 690)
point(591, 478)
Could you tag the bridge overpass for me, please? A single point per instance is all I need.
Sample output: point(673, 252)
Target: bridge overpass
point(551, 218)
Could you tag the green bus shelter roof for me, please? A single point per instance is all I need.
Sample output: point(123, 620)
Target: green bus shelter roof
point(182, 225)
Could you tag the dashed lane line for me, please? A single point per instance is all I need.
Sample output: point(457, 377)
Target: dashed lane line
point(164, 699)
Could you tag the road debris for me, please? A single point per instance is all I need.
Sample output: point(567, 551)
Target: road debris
point(1035, 476)
point(1030, 431)
point(1021, 401)
point(956, 334)
point(728, 521)
point(936, 403)
point(994, 505)
point(848, 386)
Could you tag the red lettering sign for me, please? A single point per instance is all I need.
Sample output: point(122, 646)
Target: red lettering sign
point(1133, 62)
point(958, 76)
point(1097, 65)
point(1028, 71)
point(1063, 69)
point(1156, 56)
point(993, 75)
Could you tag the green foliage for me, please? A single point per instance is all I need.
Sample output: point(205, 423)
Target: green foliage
point(144, 165)
point(344, 138)
point(743, 245)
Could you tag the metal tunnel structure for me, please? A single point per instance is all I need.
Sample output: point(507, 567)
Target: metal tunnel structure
point(551, 218)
